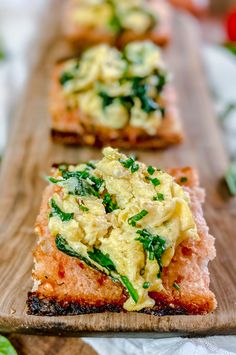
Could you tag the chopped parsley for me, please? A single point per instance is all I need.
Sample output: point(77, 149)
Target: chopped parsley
point(154, 181)
point(65, 77)
point(115, 24)
point(90, 165)
point(154, 245)
point(109, 204)
point(83, 208)
point(161, 82)
point(176, 286)
point(183, 179)
point(132, 220)
point(86, 184)
point(56, 211)
point(53, 180)
point(106, 99)
point(146, 284)
point(151, 170)
point(130, 163)
point(140, 90)
point(159, 197)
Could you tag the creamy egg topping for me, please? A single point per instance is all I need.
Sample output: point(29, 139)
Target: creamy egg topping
point(121, 218)
point(116, 89)
point(115, 15)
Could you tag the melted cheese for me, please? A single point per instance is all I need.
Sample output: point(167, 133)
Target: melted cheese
point(170, 218)
point(104, 87)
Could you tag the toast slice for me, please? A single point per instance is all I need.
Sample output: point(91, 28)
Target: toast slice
point(70, 124)
point(84, 35)
point(66, 285)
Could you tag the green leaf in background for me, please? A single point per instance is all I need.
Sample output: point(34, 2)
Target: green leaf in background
point(5, 347)
point(2, 54)
point(230, 178)
point(231, 46)
point(229, 108)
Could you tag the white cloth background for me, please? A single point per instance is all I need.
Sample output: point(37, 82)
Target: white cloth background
point(18, 25)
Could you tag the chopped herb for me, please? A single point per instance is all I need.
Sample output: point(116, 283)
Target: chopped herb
point(90, 165)
point(132, 220)
point(97, 182)
point(115, 24)
point(102, 259)
point(53, 180)
point(230, 179)
point(133, 293)
point(106, 99)
point(154, 181)
point(83, 208)
point(140, 90)
point(56, 211)
point(87, 184)
point(154, 245)
point(176, 286)
point(146, 284)
point(130, 163)
point(109, 204)
point(151, 170)
point(65, 77)
point(77, 174)
point(161, 82)
point(159, 197)
point(183, 179)
point(127, 102)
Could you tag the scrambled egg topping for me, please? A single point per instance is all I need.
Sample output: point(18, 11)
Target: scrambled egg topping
point(115, 15)
point(123, 219)
point(116, 89)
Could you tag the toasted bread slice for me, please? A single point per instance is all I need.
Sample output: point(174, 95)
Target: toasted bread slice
point(66, 286)
point(84, 36)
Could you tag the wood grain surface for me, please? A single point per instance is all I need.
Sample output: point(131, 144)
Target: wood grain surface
point(31, 152)
point(38, 345)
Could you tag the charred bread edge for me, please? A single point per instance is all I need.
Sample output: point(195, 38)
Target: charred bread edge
point(50, 306)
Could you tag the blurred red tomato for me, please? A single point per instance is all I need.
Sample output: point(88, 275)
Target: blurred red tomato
point(231, 25)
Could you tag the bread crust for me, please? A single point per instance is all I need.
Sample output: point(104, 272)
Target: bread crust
point(67, 286)
point(71, 126)
point(83, 36)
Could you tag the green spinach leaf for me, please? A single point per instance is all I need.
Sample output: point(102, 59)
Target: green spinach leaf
point(56, 211)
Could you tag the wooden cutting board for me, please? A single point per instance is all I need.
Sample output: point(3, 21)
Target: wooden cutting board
point(30, 153)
